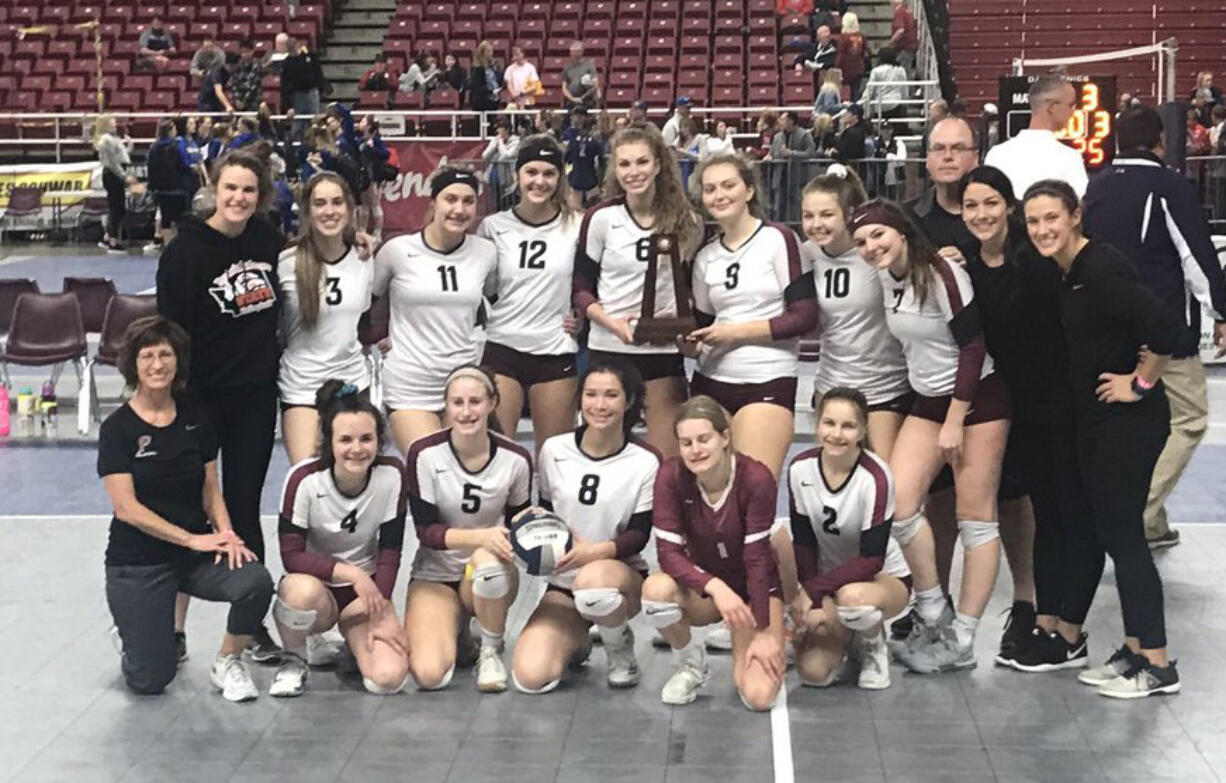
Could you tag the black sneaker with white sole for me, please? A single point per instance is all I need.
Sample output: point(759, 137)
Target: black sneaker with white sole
point(262, 648)
point(1049, 652)
point(1167, 539)
point(1143, 679)
point(1019, 630)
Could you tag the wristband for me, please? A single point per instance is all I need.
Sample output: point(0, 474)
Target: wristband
point(1142, 387)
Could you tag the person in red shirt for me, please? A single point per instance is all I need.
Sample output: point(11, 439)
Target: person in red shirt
point(853, 56)
point(713, 509)
point(903, 35)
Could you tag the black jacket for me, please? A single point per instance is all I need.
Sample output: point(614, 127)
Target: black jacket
point(1154, 216)
point(480, 95)
point(300, 73)
point(225, 293)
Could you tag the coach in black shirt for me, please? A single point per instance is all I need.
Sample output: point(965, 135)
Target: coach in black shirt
point(952, 153)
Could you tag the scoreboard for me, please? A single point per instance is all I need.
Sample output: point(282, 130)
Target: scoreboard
point(1090, 130)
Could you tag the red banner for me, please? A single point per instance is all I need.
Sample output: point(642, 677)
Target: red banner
point(405, 199)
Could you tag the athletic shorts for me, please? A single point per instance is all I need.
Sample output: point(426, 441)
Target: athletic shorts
point(652, 366)
point(734, 396)
point(528, 369)
point(901, 404)
point(991, 403)
point(285, 406)
point(566, 591)
point(343, 595)
point(172, 206)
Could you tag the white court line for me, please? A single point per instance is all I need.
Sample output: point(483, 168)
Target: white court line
point(781, 738)
point(148, 291)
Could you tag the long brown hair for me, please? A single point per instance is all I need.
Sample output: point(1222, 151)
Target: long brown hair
point(308, 259)
point(705, 407)
point(747, 173)
point(672, 211)
point(922, 255)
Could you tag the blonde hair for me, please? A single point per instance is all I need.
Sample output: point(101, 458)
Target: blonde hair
point(560, 200)
point(851, 22)
point(669, 205)
point(103, 125)
point(747, 173)
point(308, 260)
point(483, 55)
point(705, 407)
point(832, 76)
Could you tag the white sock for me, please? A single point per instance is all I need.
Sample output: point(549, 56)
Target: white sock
point(964, 628)
point(490, 639)
point(930, 603)
point(693, 651)
point(612, 636)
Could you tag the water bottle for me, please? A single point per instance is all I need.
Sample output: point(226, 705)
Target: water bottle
point(5, 426)
point(50, 411)
point(25, 412)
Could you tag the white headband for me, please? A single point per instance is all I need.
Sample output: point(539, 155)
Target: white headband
point(468, 371)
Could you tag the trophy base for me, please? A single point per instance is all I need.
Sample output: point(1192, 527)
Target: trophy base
point(662, 330)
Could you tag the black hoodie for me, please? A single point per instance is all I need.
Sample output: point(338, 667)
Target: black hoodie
point(225, 293)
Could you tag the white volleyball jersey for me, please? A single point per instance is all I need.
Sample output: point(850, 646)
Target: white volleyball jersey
point(856, 349)
point(839, 515)
point(434, 301)
point(531, 293)
point(597, 497)
point(744, 285)
point(614, 248)
point(331, 348)
point(444, 494)
point(339, 526)
point(925, 329)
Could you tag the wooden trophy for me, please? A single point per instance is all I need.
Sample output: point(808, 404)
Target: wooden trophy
point(651, 328)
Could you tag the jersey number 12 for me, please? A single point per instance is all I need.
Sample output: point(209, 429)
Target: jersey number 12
point(532, 254)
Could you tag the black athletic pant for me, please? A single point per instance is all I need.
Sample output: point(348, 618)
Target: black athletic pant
point(1117, 448)
point(116, 203)
point(142, 602)
point(245, 421)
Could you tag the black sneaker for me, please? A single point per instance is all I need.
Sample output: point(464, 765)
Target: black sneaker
point(1019, 628)
point(181, 645)
point(1169, 538)
point(1049, 652)
point(262, 648)
point(1143, 679)
point(900, 629)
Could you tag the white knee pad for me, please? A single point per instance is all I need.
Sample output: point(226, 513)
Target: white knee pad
point(598, 603)
point(443, 683)
point(752, 708)
point(373, 687)
point(291, 618)
point(859, 618)
point(973, 533)
point(904, 530)
point(661, 614)
point(491, 581)
point(546, 688)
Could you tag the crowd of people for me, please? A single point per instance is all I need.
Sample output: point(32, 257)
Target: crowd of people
point(1006, 363)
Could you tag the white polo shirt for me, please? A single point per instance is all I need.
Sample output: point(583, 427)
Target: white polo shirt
point(1033, 155)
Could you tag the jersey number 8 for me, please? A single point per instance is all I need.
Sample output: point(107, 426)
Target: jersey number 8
point(587, 489)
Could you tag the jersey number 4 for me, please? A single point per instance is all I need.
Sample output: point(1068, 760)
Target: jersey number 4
point(333, 295)
point(532, 254)
point(587, 489)
point(350, 523)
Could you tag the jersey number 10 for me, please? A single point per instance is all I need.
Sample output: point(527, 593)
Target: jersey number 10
point(838, 283)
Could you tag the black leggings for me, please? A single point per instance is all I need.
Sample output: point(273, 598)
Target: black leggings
point(116, 203)
point(1117, 449)
point(245, 421)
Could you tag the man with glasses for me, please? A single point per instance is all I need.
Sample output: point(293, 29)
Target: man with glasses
point(952, 153)
point(1036, 153)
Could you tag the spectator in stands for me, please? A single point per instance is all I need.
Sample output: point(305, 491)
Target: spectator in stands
point(1175, 256)
point(379, 77)
point(937, 111)
point(637, 114)
point(893, 150)
point(989, 128)
point(821, 54)
point(823, 133)
point(280, 50)
point(853, 56)
point(422, 74)
point(545, 121)
point(248, 133)
point(1205, 95)
point(206, 58)
point(157, 44)
point(1125, 103)
point(1218, 118)
point(672, 126)
point(484, 79)
point(318, 153)
point(585, 155)
point(790, 151)
point(719, 142)
point(830, 94)
point(302, 82)
point(689, 149)
point(1035, 153)
point(453, 77)
point(499, 157)
point(188, 144)
point(522, 82)
point(767, 126)
point(168, 171)
point(1198, 136)
point(904, 37)
point(213, 96)
point(885, 92)
point(851, 143)
point(115, 160)
point(219, 138)
point(246, 78)
point(580, 81)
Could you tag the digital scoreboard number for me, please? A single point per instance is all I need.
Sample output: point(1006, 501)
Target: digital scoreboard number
point(1091, 128)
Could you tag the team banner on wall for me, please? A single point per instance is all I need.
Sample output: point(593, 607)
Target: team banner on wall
point(405, 199)
point(48, 177)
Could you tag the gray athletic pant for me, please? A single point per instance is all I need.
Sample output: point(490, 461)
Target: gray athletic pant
point(142, 602)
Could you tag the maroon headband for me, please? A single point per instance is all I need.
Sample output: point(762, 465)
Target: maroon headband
point(876, 212)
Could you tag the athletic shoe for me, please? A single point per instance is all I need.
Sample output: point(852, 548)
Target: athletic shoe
point(593, 635)
point(181, 645)
point(922, 634)
point(1169, 538)
point(1143, 679)
point(579, 657)
point(231, 676)
point(658, 641)
point(901, 628)
point(623, 666)
point(1119, 663)
point(116, 250)
point(690, 675)
point(116, 640)
point(718, 638)
point(290, 678)
point(262, 648)
point(491, 673)
point(1049, 652)
point(467, 645)
point(152, 248)
point(846, 671)
point(874, 658)
point(1019, 629)
point(940, 654)
point(324, 650)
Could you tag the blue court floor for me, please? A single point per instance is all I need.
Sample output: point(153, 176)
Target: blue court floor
point(66, 717)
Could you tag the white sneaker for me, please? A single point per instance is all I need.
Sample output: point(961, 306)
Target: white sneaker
point(324, 649)
point(491, 673)
point(691, 674)
point(116, 640)
point(232, 677)
point(1117, 665)
point(719, 638)
point(152, 249)
point(290, 677)
point(874, 659)
point(623, 666)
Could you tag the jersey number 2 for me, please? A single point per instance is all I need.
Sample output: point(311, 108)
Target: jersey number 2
point(472, 501)
point(532, 254)
point(587, 489)
point(448, 278)
point(350, 523)
point(333, 285)
point(830, 518)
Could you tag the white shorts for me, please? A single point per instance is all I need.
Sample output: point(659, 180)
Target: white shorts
point(438, 565)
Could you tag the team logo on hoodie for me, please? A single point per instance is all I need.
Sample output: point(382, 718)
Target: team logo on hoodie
point(244, 288)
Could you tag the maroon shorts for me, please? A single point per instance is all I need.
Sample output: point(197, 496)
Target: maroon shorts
point(652, 366)
point(734, 396)
point(991, 403)
point(343, 595)
point(528, 369)
point(901, 404)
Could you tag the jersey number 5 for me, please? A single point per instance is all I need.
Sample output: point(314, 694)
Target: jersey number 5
point(350, 523)
point(532, 254)
point(333, 296)
point(587, 489)
point(447, 276)
point(830, 518)
point(472, 501)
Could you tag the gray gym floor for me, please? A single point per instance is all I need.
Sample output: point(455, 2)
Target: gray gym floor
point(65, 715)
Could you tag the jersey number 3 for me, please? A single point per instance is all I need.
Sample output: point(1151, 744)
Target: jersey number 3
point(532, 254)
point(333, 296)
point(350, 523)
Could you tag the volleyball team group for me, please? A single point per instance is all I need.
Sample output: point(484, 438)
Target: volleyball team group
point(1034, 363)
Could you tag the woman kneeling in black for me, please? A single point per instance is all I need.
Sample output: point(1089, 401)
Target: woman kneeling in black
point(157, 456)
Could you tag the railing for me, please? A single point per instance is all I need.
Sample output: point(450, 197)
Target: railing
point(1208, 173)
